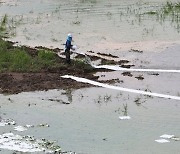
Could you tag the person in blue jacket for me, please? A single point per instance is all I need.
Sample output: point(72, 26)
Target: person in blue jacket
point(68, 47)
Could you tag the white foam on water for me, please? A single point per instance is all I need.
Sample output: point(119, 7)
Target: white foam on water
point(162, 141)
point(83, 80)
point(4, 122)
point(20, 128)
point(27, 143)
point(124, 117)
point(15, 142)
point(29, 126)
point(166, 136)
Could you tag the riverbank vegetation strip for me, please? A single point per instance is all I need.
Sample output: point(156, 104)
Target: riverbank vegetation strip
point(17, 59)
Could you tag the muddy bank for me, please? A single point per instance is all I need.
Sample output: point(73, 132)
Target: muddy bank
point(43, 77)
point(49, 78)
point(23, 82)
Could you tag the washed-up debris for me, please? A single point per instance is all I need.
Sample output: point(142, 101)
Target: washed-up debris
point(175, 138)
point(108, 55)
point(27, 144)
point(9, 99)
point(172, 137)
point(162, 141)
point(156, 74)
point(135, 50)
point(4, 122)
point(124, 117)
point(126, 66)
point(20, 128)
point(29, 126)
point(59, 100)
point(127, 74)
point(140, 77)
point(166, 136)
point(43, 125)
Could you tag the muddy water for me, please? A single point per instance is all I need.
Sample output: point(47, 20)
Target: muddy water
point(91, 124)
point(98, 25)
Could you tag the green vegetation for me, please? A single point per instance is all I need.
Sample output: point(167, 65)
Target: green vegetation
point(16, 59)
point(164, 13)
point(125, 110)
point(171, 7)
point(171, 10)
point(3, 23)
point(168, 9)
point(8, 26)
point(21, 59)
point(81, 64)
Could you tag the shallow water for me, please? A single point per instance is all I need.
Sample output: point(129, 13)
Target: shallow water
point(91, 124)
point(98, 25)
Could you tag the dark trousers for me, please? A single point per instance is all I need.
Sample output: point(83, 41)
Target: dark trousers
point(67, 53)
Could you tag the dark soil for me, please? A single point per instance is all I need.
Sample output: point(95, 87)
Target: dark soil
point(107, 55)
point(47, 78)
point(16, 82)
point(140, 77)
point(21, 82)
point(127, 74)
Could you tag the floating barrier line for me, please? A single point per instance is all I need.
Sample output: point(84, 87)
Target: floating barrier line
point(83, 80)
point(117, 68)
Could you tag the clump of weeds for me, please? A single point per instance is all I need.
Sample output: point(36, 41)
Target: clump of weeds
point(125, 109)
point(139, 101)
point(147, 90)
point(4, 23)
point(7, 27)
point(99, 100)
point(103, 99)
point(107, 98)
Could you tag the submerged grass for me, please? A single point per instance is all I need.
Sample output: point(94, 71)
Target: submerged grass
point(81, 64)
point(171, 8)
point(3, 24)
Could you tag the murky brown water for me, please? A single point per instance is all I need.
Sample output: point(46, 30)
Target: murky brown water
point(91, 124)
point(98, 25)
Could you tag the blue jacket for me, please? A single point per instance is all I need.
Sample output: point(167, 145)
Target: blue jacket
point(68, 44)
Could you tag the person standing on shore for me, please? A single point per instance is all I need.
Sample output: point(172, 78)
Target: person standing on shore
point(68, 47)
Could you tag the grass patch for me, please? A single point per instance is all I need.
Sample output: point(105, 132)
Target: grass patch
point(80, 64)
point(3, 23)
point(22, 59)
point(16, 59)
